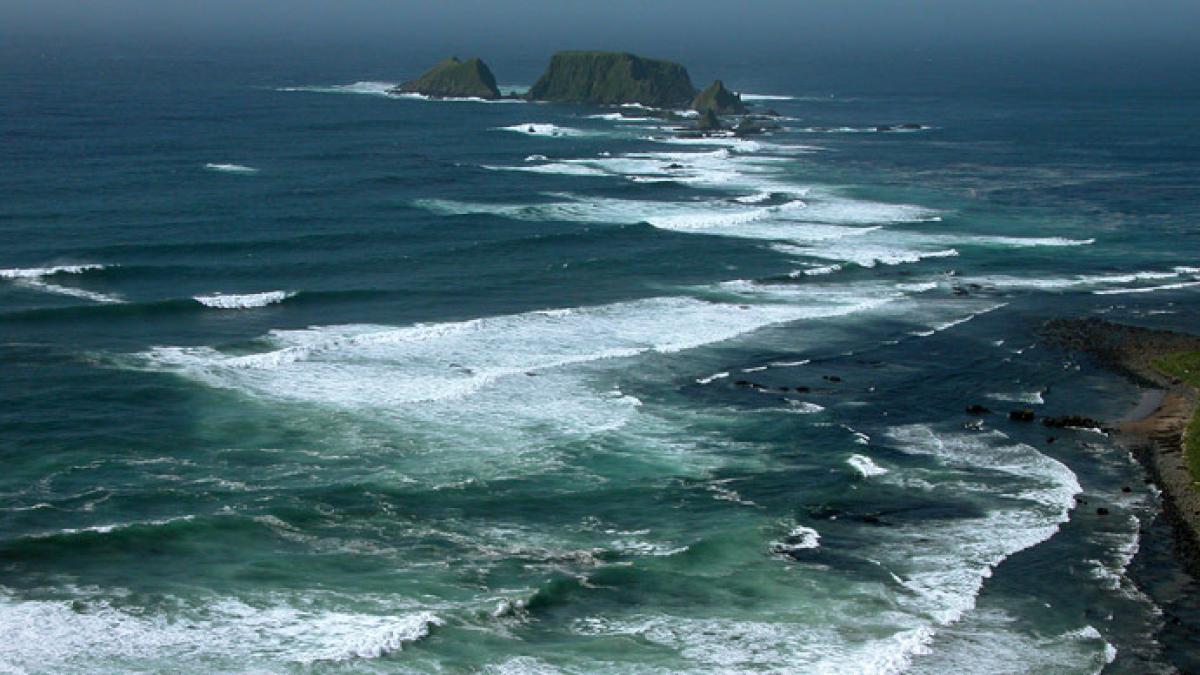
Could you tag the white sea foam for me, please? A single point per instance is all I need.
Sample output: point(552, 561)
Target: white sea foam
point(712, 378)
point(39, 272)
point(380, 366)
point(766, 97)
point(246, 301)
point(556, 168)
point(865, 466)
point(387, 90)
point(230, 168)
point(366, 87)
point(756, 198)
point(34, 278)
point(113, 527)
point(947, 576)
point(715, 168)
point(509, 388)
point(1095, 282)
point(1148, 289)
point(798, 539)
point(804, 407)
point(228, 634)
point(938, 565)
point(542, 129)
point(990, 636)
point(946, 325)
point(618, 117)
point(828, 229)
point(1032, 397)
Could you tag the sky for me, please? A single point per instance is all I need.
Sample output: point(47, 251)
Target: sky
point(722, 26)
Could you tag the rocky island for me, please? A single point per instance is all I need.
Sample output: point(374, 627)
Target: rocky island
point(719, 100)
point(613, 78)
point(453, 78)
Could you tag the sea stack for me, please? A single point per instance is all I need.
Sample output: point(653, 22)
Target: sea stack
point(454, 79)
point(613, 78)
point(719, 100)
point(708, 121)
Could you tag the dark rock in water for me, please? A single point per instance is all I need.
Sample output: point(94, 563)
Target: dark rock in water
point(749, 127)
point(674, 166)
point(1126, 488)
point(1022, 415)
point(832, 378)
point(884, 127)
point(911, 127)
point(455, 79)
point(1072, 421)
point(742, 383)
point(1101, 511)
point(976, 409)
point(610, 78)
point(719, 100)
point(708, 121)
point(1050, 439)
point(803, 390)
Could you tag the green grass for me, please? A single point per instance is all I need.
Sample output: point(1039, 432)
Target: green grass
point(1186, 366)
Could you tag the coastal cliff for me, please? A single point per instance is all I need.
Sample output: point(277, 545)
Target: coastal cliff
point(453, 78)
point(612, 78)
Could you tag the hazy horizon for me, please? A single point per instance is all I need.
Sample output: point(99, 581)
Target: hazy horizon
point(751, 27)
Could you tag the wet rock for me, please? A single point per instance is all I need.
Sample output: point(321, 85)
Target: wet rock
point(976, 409)
point(1022, 415)
point(1076, 421)
point(1101, 511)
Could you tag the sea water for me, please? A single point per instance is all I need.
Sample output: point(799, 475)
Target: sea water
point(299, 375)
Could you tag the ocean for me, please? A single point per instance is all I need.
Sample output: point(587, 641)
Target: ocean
point(296, 375)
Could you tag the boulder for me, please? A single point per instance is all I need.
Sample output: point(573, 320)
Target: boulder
point(1022, 415)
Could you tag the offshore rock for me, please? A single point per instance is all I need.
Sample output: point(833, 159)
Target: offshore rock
point(613, 78)
point(454, 79)
point(719, 100)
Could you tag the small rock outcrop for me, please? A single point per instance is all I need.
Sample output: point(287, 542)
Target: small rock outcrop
point(708, 121)
point(1022, 415)
point(719, 100)
point(454, 79)
point(1072, 421)
point(613, 78)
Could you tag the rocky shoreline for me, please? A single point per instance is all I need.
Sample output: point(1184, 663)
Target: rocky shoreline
point(1155, 430)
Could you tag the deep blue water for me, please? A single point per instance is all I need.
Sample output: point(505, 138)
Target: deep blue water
point(295, 375)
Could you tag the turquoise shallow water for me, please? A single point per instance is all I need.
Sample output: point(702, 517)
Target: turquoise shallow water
point(300, 376)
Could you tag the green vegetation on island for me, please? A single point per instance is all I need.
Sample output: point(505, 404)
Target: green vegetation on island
point(719, 100)
point(613, 78)
point(455, 79)
point(1185, 366)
